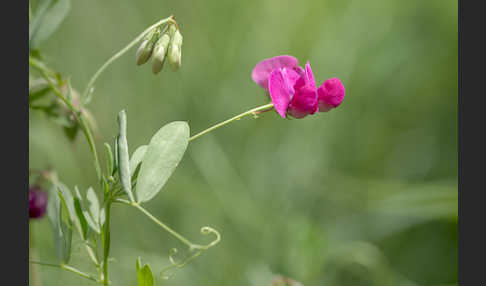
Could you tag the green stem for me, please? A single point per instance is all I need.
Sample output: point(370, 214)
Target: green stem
point(184, 240)
point(77, 113)
point(67, 268)
point(253, 112)
point(106, 242)
point(33, 253)
point(87, 94)
point(154, 219)
point(74, 270)
point(89, 136)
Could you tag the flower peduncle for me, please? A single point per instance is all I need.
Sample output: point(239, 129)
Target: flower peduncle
point(88, 91)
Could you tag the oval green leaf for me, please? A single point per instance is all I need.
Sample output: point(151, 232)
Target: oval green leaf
point(163, 154)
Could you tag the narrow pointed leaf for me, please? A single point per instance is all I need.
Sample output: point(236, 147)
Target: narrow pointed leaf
point(53, 213)
point(162, 156)
point(36, 22)
point(84, 214)
point(102, 225)
point(144, 274)
point(139, 271)
point(94, 205)
point(53, 205)
point(78, 207)
point(102, 217)
point(69, 200)
point(38, 87)
point(123, 157)
point(109, 159)
point(138, 264)
point(47, 20)
point(64, 235)
point(115, 156)
point(148, 278)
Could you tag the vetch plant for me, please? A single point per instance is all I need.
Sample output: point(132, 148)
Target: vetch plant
point(132, 180)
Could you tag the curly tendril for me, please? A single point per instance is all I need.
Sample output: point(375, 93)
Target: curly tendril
point(174, 264)
point(194, 249)
point(206, 230)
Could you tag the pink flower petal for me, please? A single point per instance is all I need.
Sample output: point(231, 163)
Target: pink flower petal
point(261, 72)
point(280, 91)
point(304, 102)
point(300, 71)
point(291, 77)
point(331, 94)
point(306, 77)
point(309, 76)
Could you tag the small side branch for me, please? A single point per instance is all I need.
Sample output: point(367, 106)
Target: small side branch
point(68, 268)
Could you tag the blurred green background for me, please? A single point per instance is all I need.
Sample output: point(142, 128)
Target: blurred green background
point(363, 195)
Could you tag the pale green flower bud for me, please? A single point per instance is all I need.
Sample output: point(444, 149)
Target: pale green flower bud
point(175, 52)
point(177, 40)
point(171, 30)
point(159, 52)
point(144, 52)
point(146, 47)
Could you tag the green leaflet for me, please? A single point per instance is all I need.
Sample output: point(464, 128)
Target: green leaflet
point(47, 19)
point(135, 161)
point(68, 199)
point(88, 217)
point(123, 157)
point(61, 222)
point(80, 213)
point(94, 206)
point(162, 156)
point(115, 155)
point(38, 87)
point(144, 274)
point(109, 159)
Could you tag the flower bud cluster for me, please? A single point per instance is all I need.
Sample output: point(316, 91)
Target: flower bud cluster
point(159, 45)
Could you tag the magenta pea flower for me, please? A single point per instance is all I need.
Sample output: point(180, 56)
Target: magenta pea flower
point(37, 202)
point(293, 89)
